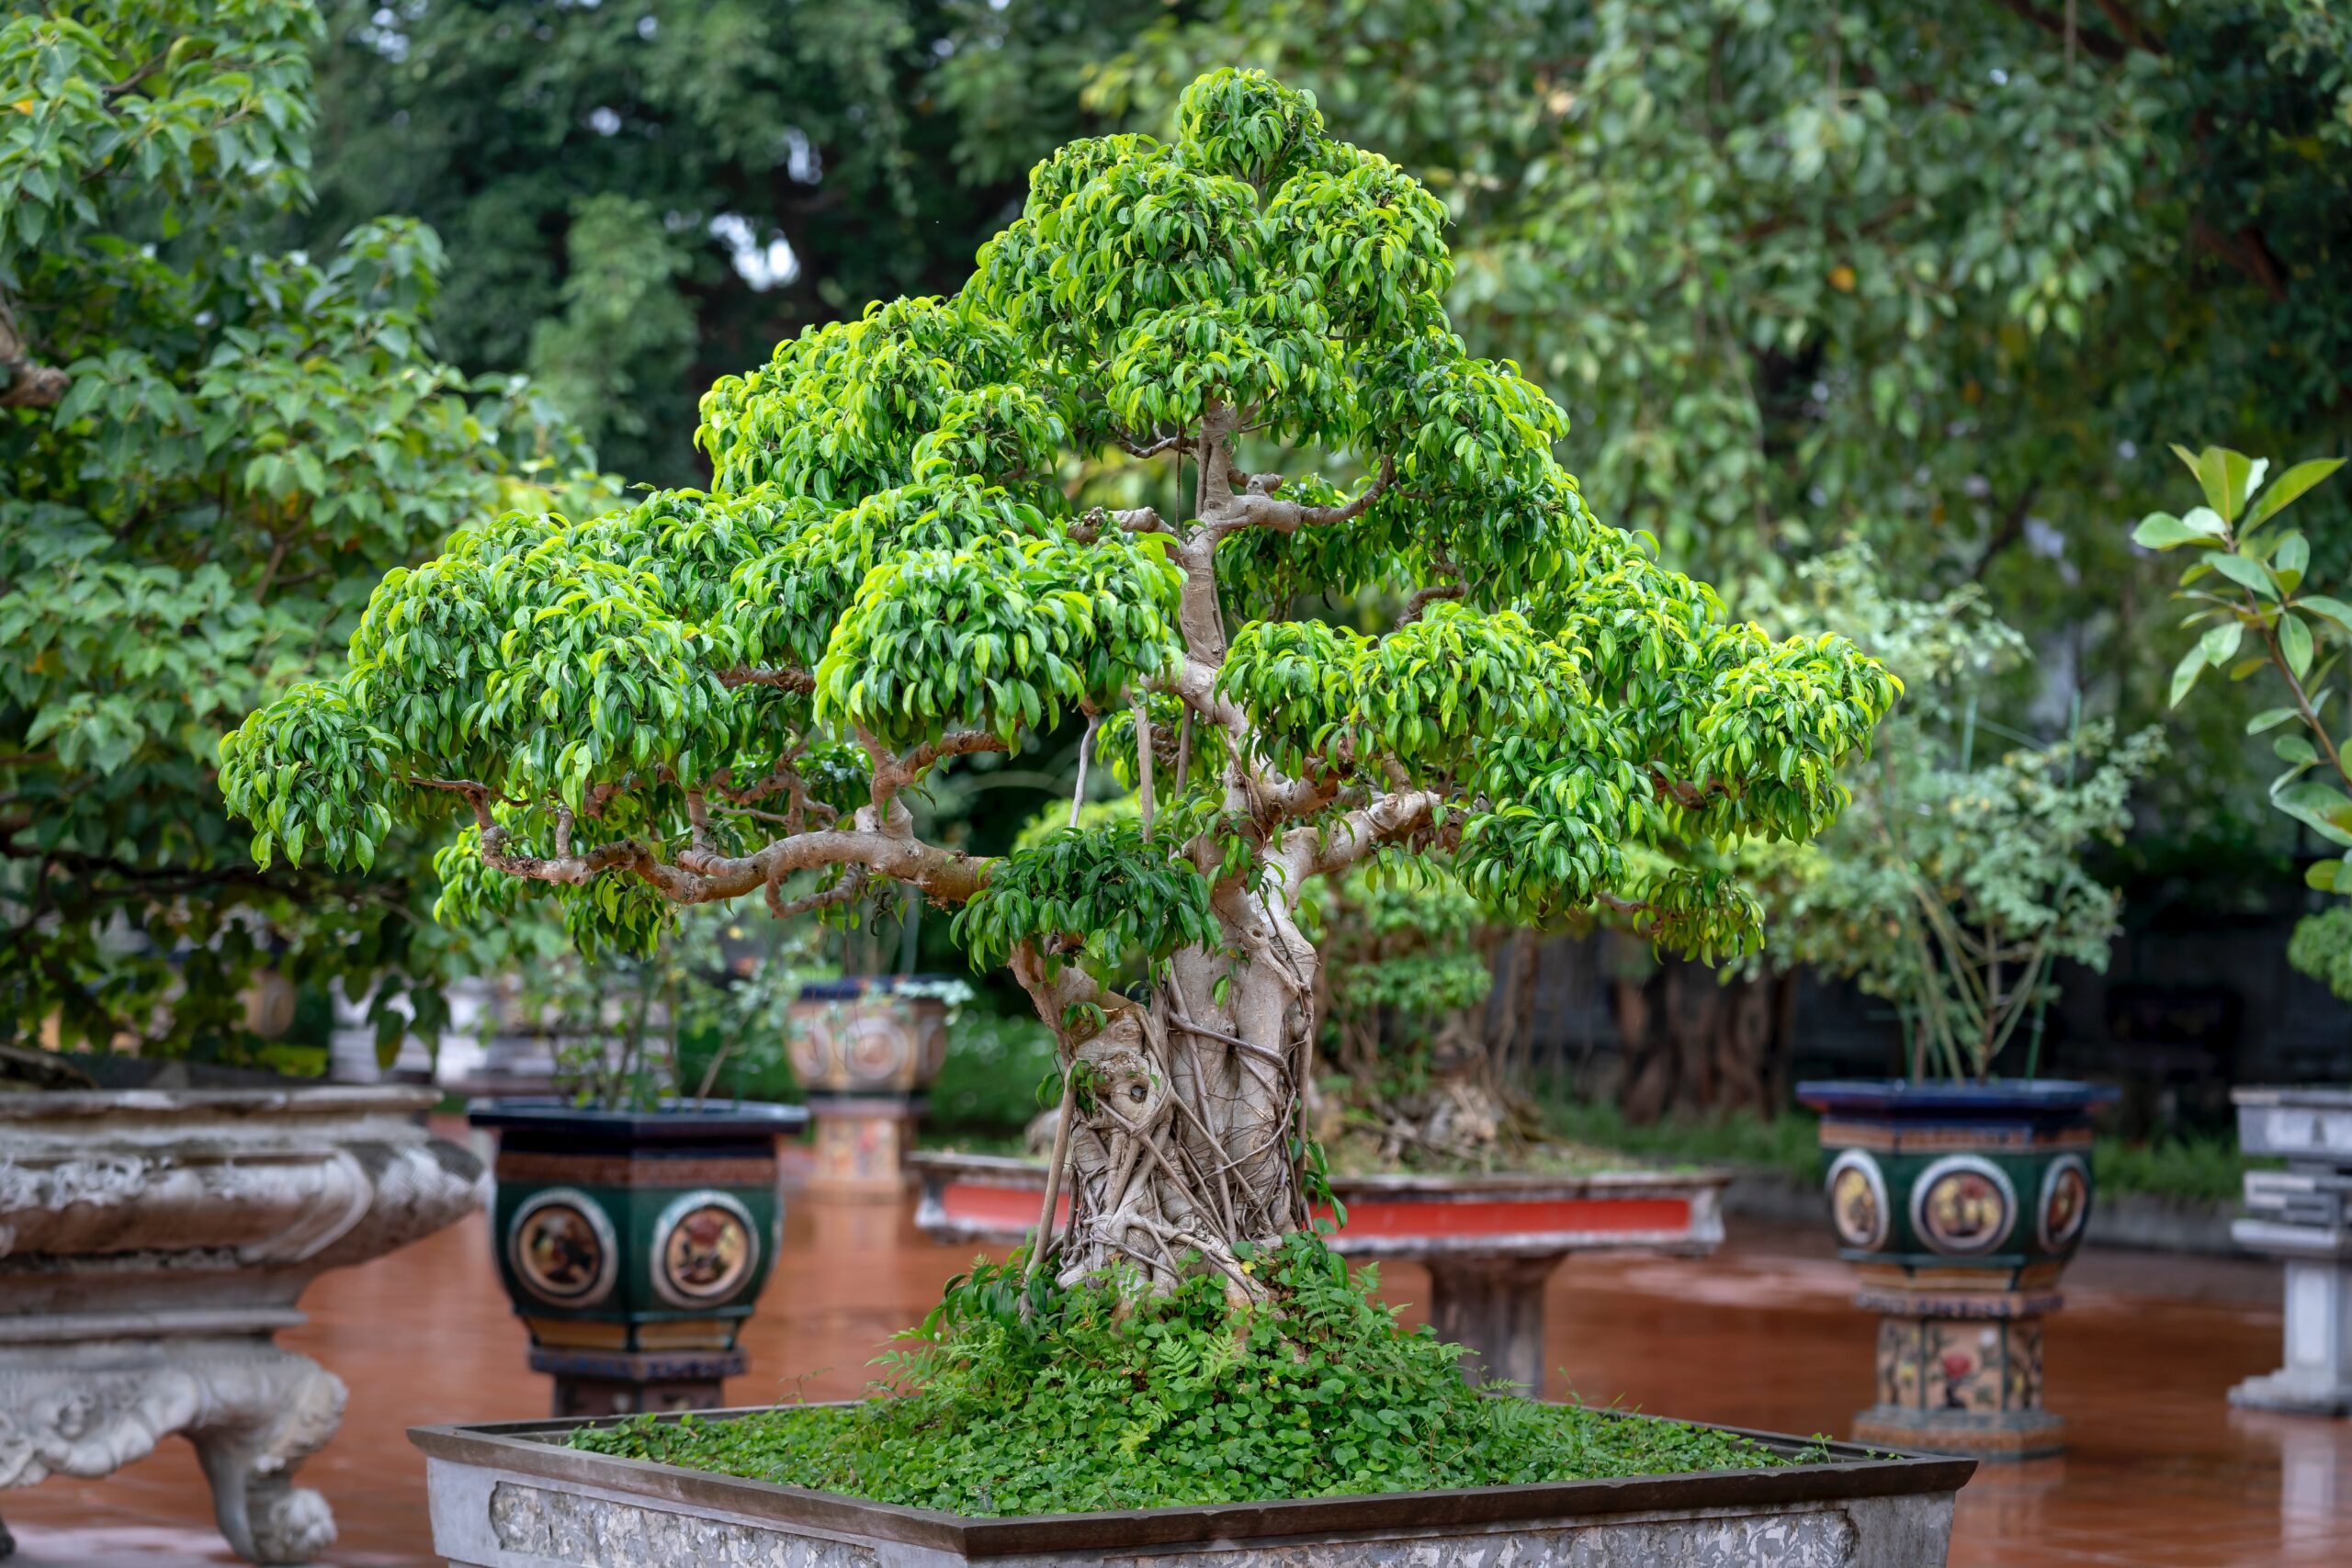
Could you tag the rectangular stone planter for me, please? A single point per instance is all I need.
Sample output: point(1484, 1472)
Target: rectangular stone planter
point(510, 1495)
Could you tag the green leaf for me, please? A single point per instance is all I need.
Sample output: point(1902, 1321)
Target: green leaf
point(2295, 642)
point(2335, 610)
point(2319, 805)
point(2291, 487)
point(2294, 748)
point(2185, 673)
point(2245, 573)
point(2221, 644)
point(2224, 473)
point(2322, 874)
point(2163, 531)
point(2269, 718)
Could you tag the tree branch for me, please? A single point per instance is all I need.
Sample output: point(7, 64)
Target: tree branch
point(1257, 505)
point(1314, 851)
point(700, 877)
point(791, 678)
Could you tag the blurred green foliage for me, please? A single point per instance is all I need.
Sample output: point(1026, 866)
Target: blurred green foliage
point(244, 439)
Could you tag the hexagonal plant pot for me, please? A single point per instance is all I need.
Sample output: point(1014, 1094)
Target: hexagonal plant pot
point(634, 1244)
point(512, 1495)
point(1959, 1205)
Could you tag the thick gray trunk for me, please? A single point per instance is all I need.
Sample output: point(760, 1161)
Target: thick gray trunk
point(1187, 1143)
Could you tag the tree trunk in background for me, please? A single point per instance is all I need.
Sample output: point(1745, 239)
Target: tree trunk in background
point(1692, 1044)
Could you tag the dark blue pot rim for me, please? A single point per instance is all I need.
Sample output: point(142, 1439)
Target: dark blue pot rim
point(850, 987)
point(671, 1124)
point(2001, 1096)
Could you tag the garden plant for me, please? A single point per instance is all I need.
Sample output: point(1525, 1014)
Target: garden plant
point(708, 697)
point(1954, 886)
point(2254, 615)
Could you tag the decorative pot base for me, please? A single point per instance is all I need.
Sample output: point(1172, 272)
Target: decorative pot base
point(2025, 1434)
point(862, 1143)
point(629, 1383)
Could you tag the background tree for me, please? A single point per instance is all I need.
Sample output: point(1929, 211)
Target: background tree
point(638, 197)
point(1948, 280)
point(707, 696)
point(234, 445)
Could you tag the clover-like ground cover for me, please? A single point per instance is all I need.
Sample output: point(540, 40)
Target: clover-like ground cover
point(1090, 1404)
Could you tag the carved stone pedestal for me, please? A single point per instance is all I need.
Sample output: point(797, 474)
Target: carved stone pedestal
point(151, 1244)
point(2303, 1215)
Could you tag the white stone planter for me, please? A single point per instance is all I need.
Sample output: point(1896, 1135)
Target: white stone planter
point(151, 1244)
point(512, 1496)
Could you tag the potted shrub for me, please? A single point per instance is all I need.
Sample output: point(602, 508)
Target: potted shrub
point(2251, 604)
point(1950, 890)
point(636, 1221)
point(888, 576)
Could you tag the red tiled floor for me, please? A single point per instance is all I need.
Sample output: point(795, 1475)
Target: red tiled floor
point(2162, 1472)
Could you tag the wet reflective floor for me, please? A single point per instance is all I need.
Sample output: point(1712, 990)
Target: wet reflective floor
point(2162, 1472)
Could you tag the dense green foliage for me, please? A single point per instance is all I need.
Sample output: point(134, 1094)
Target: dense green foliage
point(2247, 578)
point(1085, 1406)
point(246, 441)
point(1934, 276)
point(882, 565)
point(1954, 886)
point(640, 197)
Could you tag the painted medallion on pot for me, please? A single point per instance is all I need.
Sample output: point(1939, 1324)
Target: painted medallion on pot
point(1962, 1204)
point(1857, 1201)
point(561, 1247)
point(2066, 1203)
point(706, 1248)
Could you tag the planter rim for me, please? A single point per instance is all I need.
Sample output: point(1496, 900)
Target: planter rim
point(534, 1448)
point(2312, 1096)
point(1400, 1184)
point(671, 1124)
point(1999, 1097)
point(199, 1104)
point(850, 987)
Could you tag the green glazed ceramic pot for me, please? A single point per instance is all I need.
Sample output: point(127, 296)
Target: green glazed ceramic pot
point(1959, 1206)
point(635, 1244)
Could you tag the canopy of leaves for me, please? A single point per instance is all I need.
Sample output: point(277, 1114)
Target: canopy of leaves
point(1092, 1402)
point(1954, 885)
point(247, 441)
point(889, 561)
point(1938, 276)
point(636, 196)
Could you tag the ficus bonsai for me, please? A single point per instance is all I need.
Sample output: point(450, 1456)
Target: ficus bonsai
point(707, 697)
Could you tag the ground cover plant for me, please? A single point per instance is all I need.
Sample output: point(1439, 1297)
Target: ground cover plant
point(704, 698)
point(1088, 1404)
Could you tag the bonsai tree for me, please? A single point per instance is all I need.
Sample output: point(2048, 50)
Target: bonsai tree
point(1952, 887)
point(731, 695)
point(2247, 591)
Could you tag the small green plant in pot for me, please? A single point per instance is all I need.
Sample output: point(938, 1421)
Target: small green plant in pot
point(888, 576)
point(2256, 614)
point(1950, 890)
point(637, 1217)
